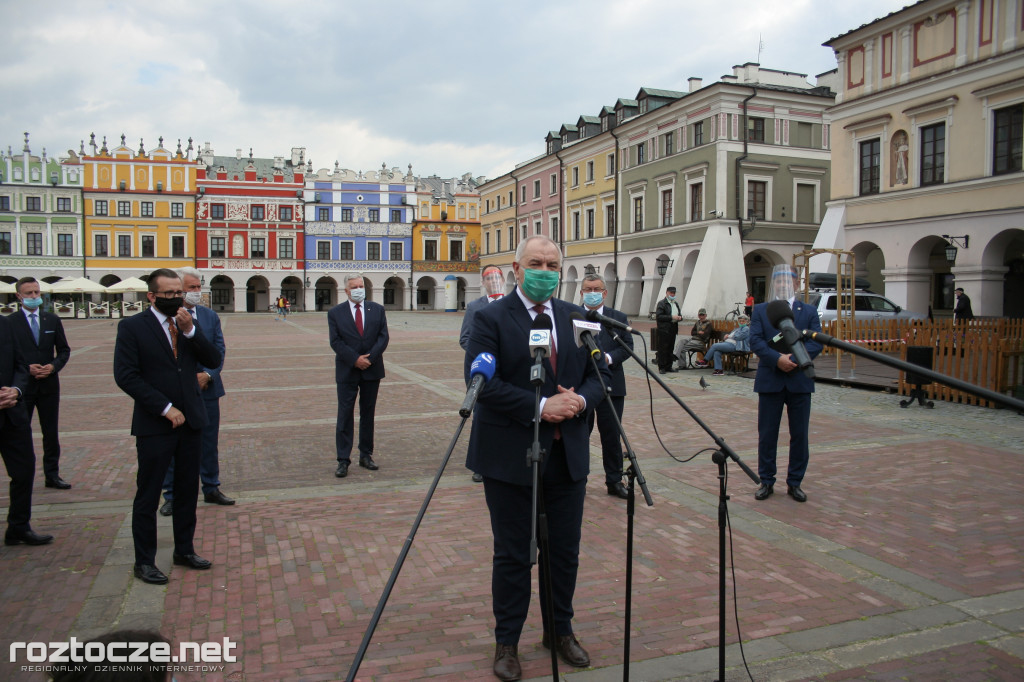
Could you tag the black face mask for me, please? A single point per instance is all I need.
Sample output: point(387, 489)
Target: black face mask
point(168, 306)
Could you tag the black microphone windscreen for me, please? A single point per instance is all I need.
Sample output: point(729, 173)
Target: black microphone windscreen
point(777, 311)
point(575, 315)
point(542, 321)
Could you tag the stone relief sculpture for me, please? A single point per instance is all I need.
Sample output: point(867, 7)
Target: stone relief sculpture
point(237, 246)
point(900, 159)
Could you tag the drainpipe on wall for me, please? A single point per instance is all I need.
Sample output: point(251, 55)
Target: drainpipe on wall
point(615, 237)
point(561, 214)
point(739, 160)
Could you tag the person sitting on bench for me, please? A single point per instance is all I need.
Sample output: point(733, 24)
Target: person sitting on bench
point(738, 340)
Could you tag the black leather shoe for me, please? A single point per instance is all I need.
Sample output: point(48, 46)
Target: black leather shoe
point(618, 490)
point(26, 537)
point(368, 463)
point(192, 561)
point(217, 497)
point(148, 573)
point(764, 492)
point(795, 492)
point(342, 470)
point(478, 478)
point(506, 663)
point(58, 483)
point(167, 508)
point(569, 650)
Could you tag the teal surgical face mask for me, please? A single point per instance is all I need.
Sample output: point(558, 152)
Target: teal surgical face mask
point(539, 285)
point(32, 303)
point(592, 299)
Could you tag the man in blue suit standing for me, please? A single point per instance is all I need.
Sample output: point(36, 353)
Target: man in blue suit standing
point(359, 336)
point(779, 383)
point(212, 388)
point(42, 339)
point(594, 291)
point(502, 436)
point(157, 355)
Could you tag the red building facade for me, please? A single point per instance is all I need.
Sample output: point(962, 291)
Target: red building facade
point(249, 229)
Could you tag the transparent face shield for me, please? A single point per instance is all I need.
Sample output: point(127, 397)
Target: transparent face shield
point(783, 286)
point(493, 282)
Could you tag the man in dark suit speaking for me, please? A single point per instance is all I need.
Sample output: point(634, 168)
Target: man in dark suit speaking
point(780, 383)
point(16, 440)
point(156, 357)
point(359, 336)
point(46, 349)
point(503, 427)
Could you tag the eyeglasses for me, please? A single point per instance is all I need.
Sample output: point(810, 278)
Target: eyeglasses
point(169, 294)
point(591, 291)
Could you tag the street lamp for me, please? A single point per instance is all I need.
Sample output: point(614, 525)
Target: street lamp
point(951, 246)
point(663, 263)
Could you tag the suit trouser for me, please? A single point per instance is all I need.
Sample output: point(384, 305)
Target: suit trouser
point(20, 460)
point(48, 407)
point(345, 427)
point(155, 453)
point(611, 442)
point(209, 458)
point(510, 507)
point(769, 417)
point(666, 342)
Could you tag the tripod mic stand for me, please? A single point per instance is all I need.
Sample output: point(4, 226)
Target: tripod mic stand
point(720, 457)
point(634, 474)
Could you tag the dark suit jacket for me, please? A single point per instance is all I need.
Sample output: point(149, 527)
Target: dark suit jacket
point(209, 326)
point(472, 309)
point(769, 378)
point(53, 348)
point(13, 372)
point(348, 345)
point(145, 368)
point(963, 311)
point(503, 418)
point(663, 314)
point(619, 354)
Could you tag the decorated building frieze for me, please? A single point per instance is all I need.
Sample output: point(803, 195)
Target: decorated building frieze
point(358, 265)
point(359, 229)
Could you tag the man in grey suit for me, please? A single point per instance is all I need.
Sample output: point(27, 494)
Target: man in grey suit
point(212, 389)
point(359, 336)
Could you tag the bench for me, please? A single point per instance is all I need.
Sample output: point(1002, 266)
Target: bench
point(736, 362)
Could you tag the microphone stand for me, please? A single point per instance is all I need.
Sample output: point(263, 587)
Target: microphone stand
point(720, 457)
point(538, 517)
point(959, 384)
point(634, 474)
point(361, 652)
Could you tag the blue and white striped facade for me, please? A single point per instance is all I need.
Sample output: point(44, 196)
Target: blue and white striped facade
point(359, 222)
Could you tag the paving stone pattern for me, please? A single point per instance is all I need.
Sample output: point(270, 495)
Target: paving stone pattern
point(904, 564)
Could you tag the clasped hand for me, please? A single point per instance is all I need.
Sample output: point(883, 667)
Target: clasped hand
point(565, 404)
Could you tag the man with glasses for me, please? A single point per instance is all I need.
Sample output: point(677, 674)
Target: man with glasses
point(593, 293)
point(157, 355)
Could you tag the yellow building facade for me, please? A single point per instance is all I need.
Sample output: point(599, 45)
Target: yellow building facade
point(139, 211)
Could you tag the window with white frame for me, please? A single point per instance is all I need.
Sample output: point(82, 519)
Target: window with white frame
point(590, 223)
point(696, 208)
point(666, 207)
point(638, 214)
point(590, 171)
point(553, 183)
point(576, 225)
point(610, 165)
point(870, 165)
point(575, 176)
point(346, 251)
point(933, 154)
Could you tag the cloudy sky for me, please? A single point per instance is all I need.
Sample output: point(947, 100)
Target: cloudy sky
point(449, 86)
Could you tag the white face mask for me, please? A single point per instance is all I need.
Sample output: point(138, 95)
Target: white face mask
point(193, 298)
point(357, 295)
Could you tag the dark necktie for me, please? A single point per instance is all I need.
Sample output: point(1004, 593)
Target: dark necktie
point(173, 329)
point(359, 320)
point(35, 327)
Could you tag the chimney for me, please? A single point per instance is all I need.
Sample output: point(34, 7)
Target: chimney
point(695, 83)
point(238, 154)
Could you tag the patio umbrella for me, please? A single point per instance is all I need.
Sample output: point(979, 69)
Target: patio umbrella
point(130, 284)
point(6, 288)
point(81, 285)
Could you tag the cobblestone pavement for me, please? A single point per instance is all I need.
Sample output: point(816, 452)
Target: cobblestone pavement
point(904, 564)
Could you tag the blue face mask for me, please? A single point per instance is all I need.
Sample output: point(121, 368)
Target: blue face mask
point(592, 299)
point(671, 297)
point(32, 303)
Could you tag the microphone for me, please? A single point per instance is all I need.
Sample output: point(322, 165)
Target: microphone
point(540, 346)
point(482, 370)
point(584, 332)
point(780, 315)
point(595, 316)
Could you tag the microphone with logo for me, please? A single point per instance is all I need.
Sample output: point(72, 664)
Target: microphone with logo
point(584, 332)
point(540, 346)
point(780, 315)
point(481, 371)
